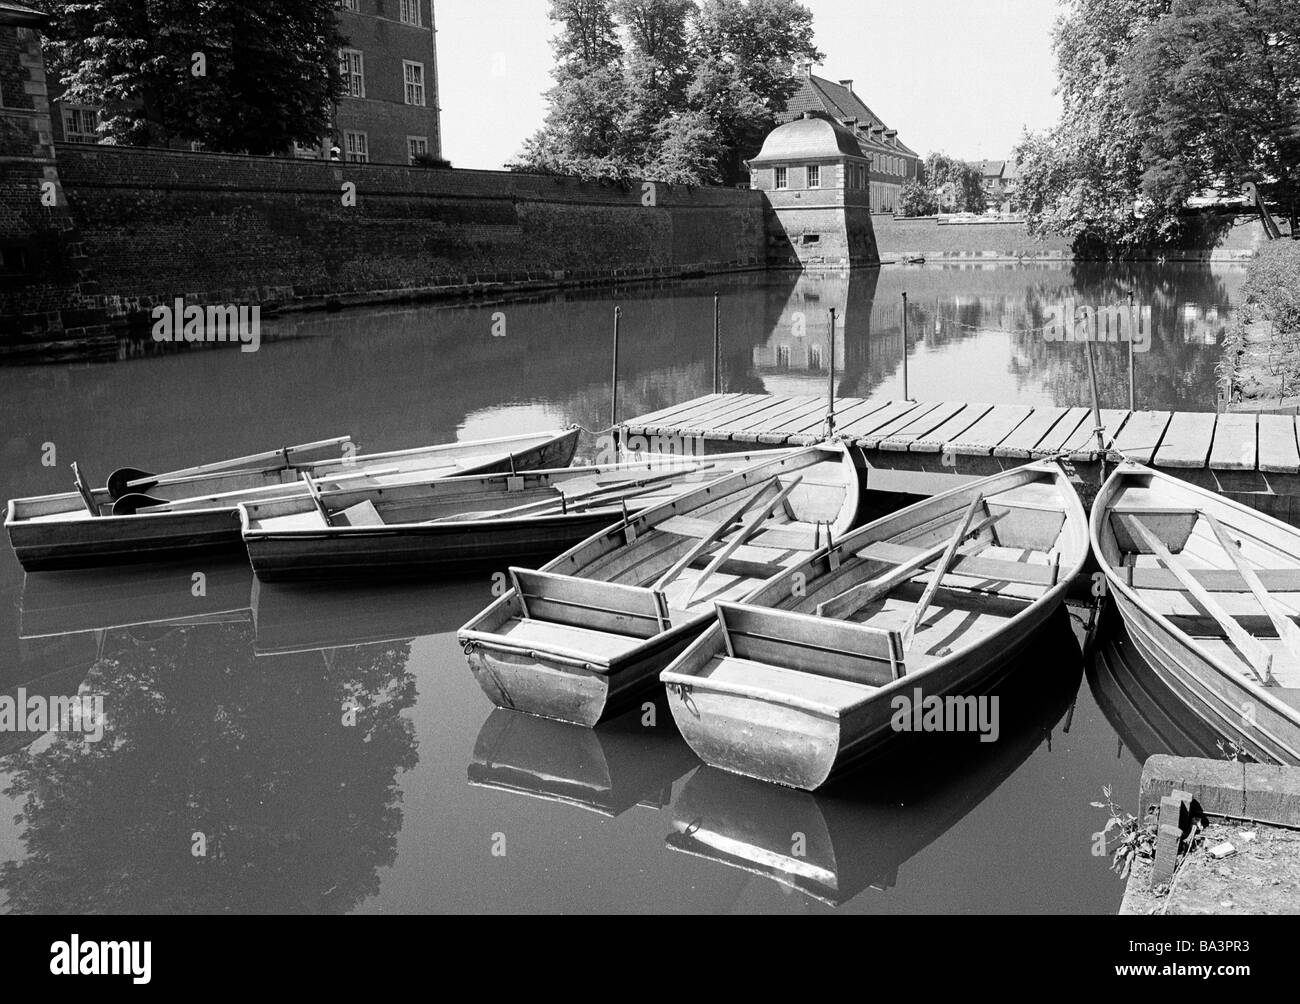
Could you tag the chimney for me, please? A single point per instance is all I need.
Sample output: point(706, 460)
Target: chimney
point(847, 84)
point(807, 71)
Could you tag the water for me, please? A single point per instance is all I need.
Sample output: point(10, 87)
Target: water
point(227, 710)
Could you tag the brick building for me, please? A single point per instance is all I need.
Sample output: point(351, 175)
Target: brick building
point(389, 113)
point(816, 177)
point(892, 162)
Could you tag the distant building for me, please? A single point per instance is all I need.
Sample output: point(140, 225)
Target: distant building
point(892, 162)
point(389, 113)
point(999, 178)
point(817, 178)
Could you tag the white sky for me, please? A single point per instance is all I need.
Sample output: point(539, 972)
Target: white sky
point(961, 76)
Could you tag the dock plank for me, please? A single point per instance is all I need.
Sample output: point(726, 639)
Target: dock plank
point(735, 414)
point(859, 429)
point(1082, 445)
point(873, 440)
point(1278, 453)
point(784, 408)
point(1187, 440)
point(700, 422)
point(981, 438)
point(797, 421)
point(1020, 444)
point(666, 414)
point(1142, 434)
point(849, 410)
point(1063, 432)
point(919, 426)
point(937, 439)
point(1236, 444)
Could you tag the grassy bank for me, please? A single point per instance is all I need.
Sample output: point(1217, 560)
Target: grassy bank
point(1260, 368)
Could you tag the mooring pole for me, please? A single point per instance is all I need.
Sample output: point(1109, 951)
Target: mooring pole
point(717, 345)
point(1096, 406)
point(1132, 317)
point(613, 389)
point(830, 390)
point(906, 397)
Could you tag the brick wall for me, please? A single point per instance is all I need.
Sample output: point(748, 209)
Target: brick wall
point(159, 224)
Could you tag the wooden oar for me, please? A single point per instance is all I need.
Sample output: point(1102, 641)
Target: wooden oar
point(131, 479)
point(131, 504)
point(1286, 628)
point(712, 537)
point(83, 489)
point(748, 530)
point(1258, 657)
point(940, 570)
point(866, 592)
point(317, 501)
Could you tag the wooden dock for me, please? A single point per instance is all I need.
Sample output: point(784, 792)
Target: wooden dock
point(1232, 452)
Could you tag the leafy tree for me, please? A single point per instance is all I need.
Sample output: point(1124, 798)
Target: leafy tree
point(953, 184)
point(234, 75)
point(916, 200)
point(1217, 85)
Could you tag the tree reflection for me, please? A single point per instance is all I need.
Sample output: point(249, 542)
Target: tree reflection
point(298, 809)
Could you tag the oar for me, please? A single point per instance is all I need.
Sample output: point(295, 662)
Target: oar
point(128, 479)
point(1286, 628)
point(83, 489)
point(940, 570)
point(131, 504)
point(1250, 647)
point(751, 527)
point(316, 500)
point(712, 537)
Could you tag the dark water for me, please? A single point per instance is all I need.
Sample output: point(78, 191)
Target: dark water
point(226, 711)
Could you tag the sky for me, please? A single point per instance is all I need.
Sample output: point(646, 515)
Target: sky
point(964, 77)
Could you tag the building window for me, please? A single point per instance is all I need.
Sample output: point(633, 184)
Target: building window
point(80, 124)
point(414, 74)
point(782, 177)
point(814, 176)
point(410, 12)
point(783, 356)
point(353, 66)
point(351, 5)
point(815, 357)
point(356, 148)
point(417, 146)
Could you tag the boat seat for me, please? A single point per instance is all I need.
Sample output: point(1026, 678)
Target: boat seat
point(746, 677)
point(363, 513)
point(778, 537)
point(1214, 580)
point(598, 646)
point(968, 567)
point(590, 603)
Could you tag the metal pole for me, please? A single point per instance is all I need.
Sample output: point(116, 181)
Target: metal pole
point(1132, 317)
point(717, 346)
point(1096, 407)
point(830, 393)
point(613, 390)
point(906, 397)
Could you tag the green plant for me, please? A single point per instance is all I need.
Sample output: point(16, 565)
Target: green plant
point(1136, 839)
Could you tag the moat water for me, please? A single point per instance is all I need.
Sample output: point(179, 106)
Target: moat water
point(226, 780)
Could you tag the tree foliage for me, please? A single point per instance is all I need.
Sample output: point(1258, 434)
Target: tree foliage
point(233, 75)
point(675, 90)
point(1163, 99)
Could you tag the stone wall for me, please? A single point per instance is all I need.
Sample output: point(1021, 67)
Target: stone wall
point(160, 224)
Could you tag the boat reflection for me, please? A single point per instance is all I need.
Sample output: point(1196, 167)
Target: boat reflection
point(1148, 717)
point(606, 770)
point(857, 833)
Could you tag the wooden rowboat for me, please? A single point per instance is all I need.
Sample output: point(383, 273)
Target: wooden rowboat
point(809, 674)
point(1209, 590)
point(460, 524)
point(197, 512)
point(585, 637)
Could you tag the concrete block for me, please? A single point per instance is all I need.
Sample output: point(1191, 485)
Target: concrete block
point(1253, 791)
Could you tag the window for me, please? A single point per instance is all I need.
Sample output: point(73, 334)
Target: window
point(356, 148)
point(417, 146)
point(815, 357)
point(410, 12)
point(353, 65)
point(80, 124)
point(783, 356)
point(350, 5)
point(814, 176)
point(414, 74)
point(782, 177)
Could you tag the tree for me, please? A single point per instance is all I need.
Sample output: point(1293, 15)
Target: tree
point(1217, 85)
point(235, 75)
point(956, 185)
point(916, 200)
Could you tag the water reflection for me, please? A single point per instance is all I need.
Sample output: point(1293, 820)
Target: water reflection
point(832, 846)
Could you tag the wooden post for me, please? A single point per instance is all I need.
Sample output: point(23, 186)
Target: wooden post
point(830, 390)
point(717, 346)
point(1096, 406)
point(613, 390)
point(1132, 315)
point(906, 397)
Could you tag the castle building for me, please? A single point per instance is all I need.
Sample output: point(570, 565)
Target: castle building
point(389, 111)
point(892, 163)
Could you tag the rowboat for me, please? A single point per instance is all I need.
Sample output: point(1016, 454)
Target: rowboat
point(1209, 590)
point(584, 637)
point(197, 510)
point(919, 609)
point(459, 524)
point(831, 845)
